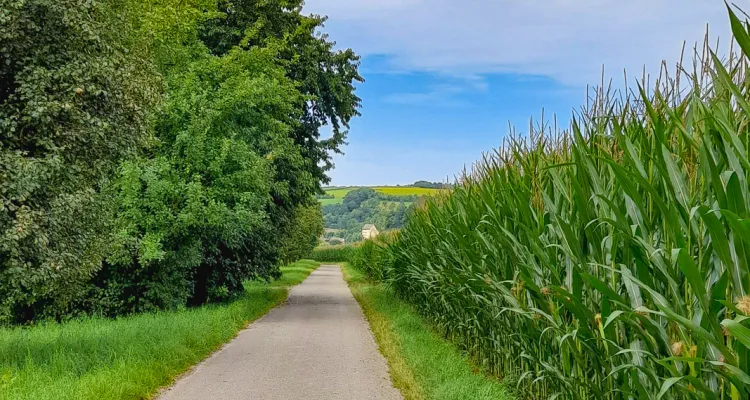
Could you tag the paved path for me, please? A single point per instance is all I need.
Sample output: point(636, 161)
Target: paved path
point(317, 345)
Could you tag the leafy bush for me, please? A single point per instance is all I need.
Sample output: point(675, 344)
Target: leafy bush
point(193, 218)
point(303, 233)
point(336, 241)
point(225, 198)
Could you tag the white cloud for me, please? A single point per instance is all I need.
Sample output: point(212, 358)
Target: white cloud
point(442, 95)
point(567, 40)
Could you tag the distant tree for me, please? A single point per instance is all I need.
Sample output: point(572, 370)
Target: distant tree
point(356, 197)
point(395, 198)
point(429, 185)
point(301, 236)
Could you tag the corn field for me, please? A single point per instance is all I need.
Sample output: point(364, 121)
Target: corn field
point(607, 261)
point(333, 253)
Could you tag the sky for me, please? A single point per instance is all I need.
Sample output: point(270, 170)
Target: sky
point(445, 79)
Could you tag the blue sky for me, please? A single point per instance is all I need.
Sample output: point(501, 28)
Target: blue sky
point(445, 78)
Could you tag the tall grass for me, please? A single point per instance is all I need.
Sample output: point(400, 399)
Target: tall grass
point(373, 256)
point(333, 253)
point(611, 261)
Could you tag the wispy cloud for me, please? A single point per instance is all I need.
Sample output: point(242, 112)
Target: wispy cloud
point(567, 40)
point(438, 95)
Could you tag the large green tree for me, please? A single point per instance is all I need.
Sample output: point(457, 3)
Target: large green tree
point(226, 190)
point(157, 154)
point(193, 217)
point(326, 77)
point(73, 102)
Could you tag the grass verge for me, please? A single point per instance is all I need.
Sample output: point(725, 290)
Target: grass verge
point(423, 366)
point(132, 357)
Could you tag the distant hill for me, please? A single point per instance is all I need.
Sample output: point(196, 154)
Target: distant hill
point(335, 194)
point(347, 209)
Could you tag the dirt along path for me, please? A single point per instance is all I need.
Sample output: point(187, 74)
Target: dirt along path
point(317, 345)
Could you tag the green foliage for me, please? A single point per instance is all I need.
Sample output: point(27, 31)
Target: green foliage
point(373, 257)
point(225, 197)
point(366, 206)
point(190, 215)
point(325, 77)
point(303, 233)
point(334, 241)
point(356, 197)
point(215, 108)
point(431, 185)
point(333, 253)
point(609, 263)
point(74, 100)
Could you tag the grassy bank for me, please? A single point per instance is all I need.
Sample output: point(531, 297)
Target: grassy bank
point(128, 358)
point(422, 365)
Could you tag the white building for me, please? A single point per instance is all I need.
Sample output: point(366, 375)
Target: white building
point(369, 231)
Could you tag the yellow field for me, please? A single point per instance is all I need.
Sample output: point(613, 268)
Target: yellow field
point(339, 193)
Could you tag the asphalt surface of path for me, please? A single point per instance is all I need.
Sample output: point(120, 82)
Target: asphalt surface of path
point(317, 345)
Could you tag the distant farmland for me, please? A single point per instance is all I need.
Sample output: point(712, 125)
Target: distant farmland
point(340, 192)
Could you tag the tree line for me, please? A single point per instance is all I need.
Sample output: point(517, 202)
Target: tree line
point(432, 185)
point(157, 154)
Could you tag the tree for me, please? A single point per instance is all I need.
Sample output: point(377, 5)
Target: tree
point(158, 154)
point(354, 198)
point(194, 218)
point(430, 185)
point(73, 102)
point(225, 192)
point(325, 77)
point(303, 233)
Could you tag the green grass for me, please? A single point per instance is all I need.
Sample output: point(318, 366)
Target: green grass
point(422, 365)
point(339, 193)
point(132, 357)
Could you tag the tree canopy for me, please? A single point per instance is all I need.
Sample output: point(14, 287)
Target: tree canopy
point(157, 155)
